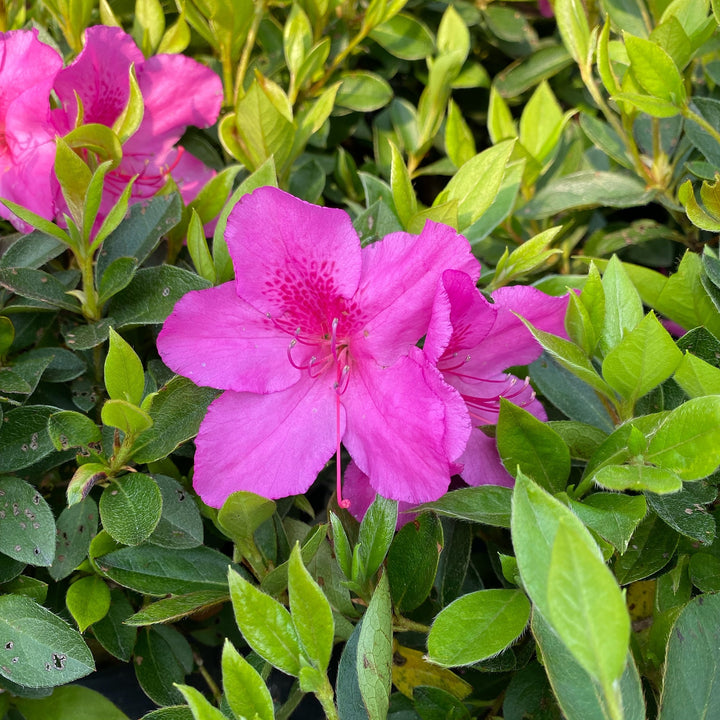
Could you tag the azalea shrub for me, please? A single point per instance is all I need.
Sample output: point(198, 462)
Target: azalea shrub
point(359, 360)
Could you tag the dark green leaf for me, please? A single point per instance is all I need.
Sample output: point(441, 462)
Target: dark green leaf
point(27, 525)
point(76, 527)
point(112, 632)
point(166, 659)
point(37, 648)
point(130, 508)
point(376, 533)
point(487, 504)
point(412, 561)
point(38, 285)
point(180, 524)
point(177, 607)
point(650, 549)
point(683, 511)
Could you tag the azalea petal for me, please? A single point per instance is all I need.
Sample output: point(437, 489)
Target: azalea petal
point(510, 342)
point(405, 426)
point(189, 173)
point(293, 257)
point(357, 489)
point(273, 445)
point(178, 92)
point(400, 276)
point(461, 318)
point(216, 339)
point(482, 464)
point(100, 77)
point(27, 139)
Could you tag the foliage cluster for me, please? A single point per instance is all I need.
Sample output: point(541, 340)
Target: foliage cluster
point(578, 151)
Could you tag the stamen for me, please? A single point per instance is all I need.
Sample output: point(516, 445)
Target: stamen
point(333, 338)
point(455, 367)
point(342, 502)
point(342, 381)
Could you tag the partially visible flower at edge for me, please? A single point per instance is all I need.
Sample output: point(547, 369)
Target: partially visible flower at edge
point(27, 140)
point(314, 344)
point(177, 92)
point(473, 342)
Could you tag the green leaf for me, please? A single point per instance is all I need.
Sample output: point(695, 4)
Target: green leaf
point(245, 690)
point(374, 653)
point(655, 70)
point(611, 515)
point(27, 525)
point(363, 91)
point(650, 549)
point(477, 183)
point(71, 701)
point(571, 357)
point(116, 277)
point(623, 306)
point(341, 545)
point(529, 71)
point(402, 189)
point(199, 250)
point(180, 524)
point(529, 444)
point(405, 37)
point(130, 508)
point(376, 533)
point(83, 480)
point(638, 478)
point(684, 512)
point(155, 570)
point(297, 38)
point(76, 527)
point(697, 377)
point(201, 708)
point(688, 440)
point(691, 687)
point(74, 177)
point(152, 294)
point(412, 561)
point(38, 285)
point(124, 375)
point(477, 626)
point(459, 141)
point(122, 414)
point(574, 29)
point(72, 429)
point(586, 608)
point(176, 412)
point(311, 613)
point(112, 633)
point(32, 250)
point(644, 357)
point(140, 232)
point(243, 513)
point(265, 624)
point(177, 607)
point(578, 695)
point(487, 504)
point(88, 600)
point(586, 189)
point(536, 516)
point(149, 24)
point(38, 648)
point(167, 658)
point(24, 438)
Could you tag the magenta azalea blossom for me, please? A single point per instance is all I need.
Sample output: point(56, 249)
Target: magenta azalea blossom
point(27, 139)
point(314, 344)
point(473, 342)
point(177, 92)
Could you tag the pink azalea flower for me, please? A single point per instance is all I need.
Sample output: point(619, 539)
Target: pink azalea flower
point(27, 140)
point(546, 9)
point(473, 342)
point(177, 92)
point(314, 344)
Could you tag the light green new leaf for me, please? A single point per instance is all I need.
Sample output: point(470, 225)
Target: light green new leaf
point(697, 377)
point(477, 626)
point(476, 185)
point(245, 690)
point(124, 377)
point(655, 70)
point(623, 306)
point(402, 190)
point(586, 607)
point(688, 440)
point(201, 708)
point(88, 600)
point(311, 612)
point(265, 624)
point(574, 28)
point(645, 357)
